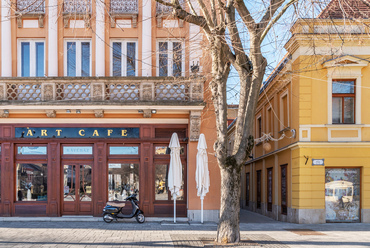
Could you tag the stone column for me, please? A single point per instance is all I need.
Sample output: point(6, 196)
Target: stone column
point(53, 39)
point(100, 40)
point(147, 38)
point(6, 39)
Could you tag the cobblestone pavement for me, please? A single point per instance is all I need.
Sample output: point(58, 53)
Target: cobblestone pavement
point(254, 233)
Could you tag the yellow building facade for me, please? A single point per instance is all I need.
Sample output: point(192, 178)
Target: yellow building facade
point(311, 160)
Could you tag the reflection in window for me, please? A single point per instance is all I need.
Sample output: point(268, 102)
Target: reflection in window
point(85, 183)
point(161, 179)
point(342, 195)
point(165, 150)
point(123, 180)
point(32, 150)
point(124, 62)
point(31, 182)
point(124, 150)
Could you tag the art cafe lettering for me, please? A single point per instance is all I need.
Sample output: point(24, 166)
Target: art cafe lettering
point(72, 132)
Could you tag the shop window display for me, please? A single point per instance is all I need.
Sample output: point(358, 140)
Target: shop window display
point(123, 180)
point(342, 195)
point(31, 182)
point(161, 187)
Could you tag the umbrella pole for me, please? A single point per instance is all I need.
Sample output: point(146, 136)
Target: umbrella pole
point(174, 210)
point(201, 212)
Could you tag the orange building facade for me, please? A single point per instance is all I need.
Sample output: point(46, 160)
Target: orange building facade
point(91, 93)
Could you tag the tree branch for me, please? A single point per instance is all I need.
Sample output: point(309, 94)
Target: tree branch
point(245, 15)
point(271, 23)
point(180, 13)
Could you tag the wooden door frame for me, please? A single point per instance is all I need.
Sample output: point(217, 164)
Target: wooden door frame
point(79, 163)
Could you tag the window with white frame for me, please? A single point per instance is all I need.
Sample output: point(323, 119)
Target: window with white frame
point(77, 58)
point(343, 101)
point(171, 58)
point(124, 58)
point(31, 58)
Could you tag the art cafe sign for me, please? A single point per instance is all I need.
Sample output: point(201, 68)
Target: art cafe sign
point(76, 132)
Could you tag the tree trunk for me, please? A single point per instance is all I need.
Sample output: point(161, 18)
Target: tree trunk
point(228, 226)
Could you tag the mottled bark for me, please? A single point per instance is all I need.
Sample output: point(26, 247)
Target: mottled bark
point(228, 226)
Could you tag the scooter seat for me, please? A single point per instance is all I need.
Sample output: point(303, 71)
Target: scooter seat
point(116, 204)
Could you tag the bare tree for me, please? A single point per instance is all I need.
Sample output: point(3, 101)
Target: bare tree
point(218, 19)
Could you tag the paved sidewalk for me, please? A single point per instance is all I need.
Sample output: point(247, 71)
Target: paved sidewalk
point(260, 231)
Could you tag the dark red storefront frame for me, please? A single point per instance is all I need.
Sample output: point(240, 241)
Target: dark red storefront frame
point(53, 206)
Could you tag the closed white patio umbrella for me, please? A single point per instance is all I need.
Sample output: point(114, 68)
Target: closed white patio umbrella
point(175, 171)
point(202, 173)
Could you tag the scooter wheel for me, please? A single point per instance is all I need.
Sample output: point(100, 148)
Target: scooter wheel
point(140, 218)
point(108, 218)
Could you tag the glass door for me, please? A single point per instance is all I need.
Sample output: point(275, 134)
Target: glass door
point(77, 189)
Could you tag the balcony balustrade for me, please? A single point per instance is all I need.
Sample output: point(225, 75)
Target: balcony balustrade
point(77, 9)
point(31, 6)
point(124, 6)
point(166, 11)
point(30, 9)
point(77, 6)
point(104, 91)
point(124, 9)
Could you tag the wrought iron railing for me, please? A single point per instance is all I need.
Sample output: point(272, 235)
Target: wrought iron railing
point(31, 6)
point(77, 6)
point(165, 10)
point(102, 90)
point(124, 7)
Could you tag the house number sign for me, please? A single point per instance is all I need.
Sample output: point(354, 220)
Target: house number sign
point(76, 132)
point(318, 162)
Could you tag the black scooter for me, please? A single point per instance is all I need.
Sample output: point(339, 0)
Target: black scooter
point(113, 211)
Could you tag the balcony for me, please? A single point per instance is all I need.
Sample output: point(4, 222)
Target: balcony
point(101, 91)
point(33, 9)
point(77, 9)
point(124, 9)
point(166, 11)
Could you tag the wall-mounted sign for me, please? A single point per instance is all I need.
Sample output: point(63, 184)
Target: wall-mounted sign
point(76, 132)
point(318, 162)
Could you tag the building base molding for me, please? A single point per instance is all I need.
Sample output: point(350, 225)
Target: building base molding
point(306, 216)
point(365, 215)
point(208, 215)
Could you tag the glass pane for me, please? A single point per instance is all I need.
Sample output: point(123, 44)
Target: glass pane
point(69, 180)
point(163, 59)
point(73, 150)
point(337, 110)
point(177, 59)
point(343, 87)
point(85, 59)
point(85, 183)
point(163, 150)
point(342, 195)
point(124, 150)
point(25, 59)
point(349, 110)
point(161, 173)
point(32, 182)
point(123, 180)
point(32, 150)
point(131, 60)
point(117, 59)
point(71, 59)
point(40, 59)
